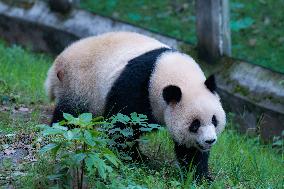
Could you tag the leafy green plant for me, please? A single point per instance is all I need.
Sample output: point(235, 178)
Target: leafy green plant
point(135, 120)
point(84, 149)
point(79, 151)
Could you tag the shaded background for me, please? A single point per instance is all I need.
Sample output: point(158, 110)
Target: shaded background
point(257, 26)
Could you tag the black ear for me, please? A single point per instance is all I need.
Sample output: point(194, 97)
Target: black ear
point(210, 83)
point(172, 93)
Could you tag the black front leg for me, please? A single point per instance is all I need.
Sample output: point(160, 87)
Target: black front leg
point(195, 159)
point(66, 105)
point(128, 145)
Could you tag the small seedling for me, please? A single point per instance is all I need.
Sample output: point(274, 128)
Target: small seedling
point(80, 151)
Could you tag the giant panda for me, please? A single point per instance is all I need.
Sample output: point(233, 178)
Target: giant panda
point(128, 72)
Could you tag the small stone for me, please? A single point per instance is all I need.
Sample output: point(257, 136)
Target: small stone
point(9, 151)
point(22, 109)
point(270, 126)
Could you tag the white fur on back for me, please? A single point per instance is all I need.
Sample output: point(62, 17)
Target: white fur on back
point(91, 65)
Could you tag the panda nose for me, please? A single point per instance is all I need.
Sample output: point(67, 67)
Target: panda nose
point(210, 141)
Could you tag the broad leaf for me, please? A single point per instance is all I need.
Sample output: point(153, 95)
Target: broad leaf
point(55, 177)
point(139, 119)
point(98, 119)
point(68, 117)
point(75, 121)
point(79, 157)
point(108, 168)
point(120, 118)
point(101, 168)
point(145, 129)
point(43, 126)
point(89, 138)
point(127, 132)
point(90, 164)
point(86, 118)
point(150, 127)
point(55, 150)
point(58, 126)
point(112, 159)
point(77, 135)
point(68, 135)
point(52, 131)
point(48, 147)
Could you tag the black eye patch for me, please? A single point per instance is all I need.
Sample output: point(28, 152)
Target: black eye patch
point(214, 121)
point(194, 126)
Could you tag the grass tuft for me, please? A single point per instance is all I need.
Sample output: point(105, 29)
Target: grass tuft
point(22, 74)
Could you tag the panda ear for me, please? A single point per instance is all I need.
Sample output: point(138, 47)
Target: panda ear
point(172, 94)
point(210, 83)
point(60, 75)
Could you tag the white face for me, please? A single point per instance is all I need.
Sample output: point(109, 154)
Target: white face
point(196, 122)
point(182, 98)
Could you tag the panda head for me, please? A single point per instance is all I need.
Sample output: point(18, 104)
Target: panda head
point(194, 118)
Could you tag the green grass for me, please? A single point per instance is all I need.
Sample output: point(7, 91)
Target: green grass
point(244, 163)
point(22, 75)
point(262, 42)
point(167, 17)
point(257, 26)
point(236, 161)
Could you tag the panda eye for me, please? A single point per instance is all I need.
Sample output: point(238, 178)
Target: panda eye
point(194, 126)
point(214, 121)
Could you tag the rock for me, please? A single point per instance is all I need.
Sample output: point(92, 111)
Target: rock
point(270, 127)
point(252, 93)
point(22, 109)
point(247, 123)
